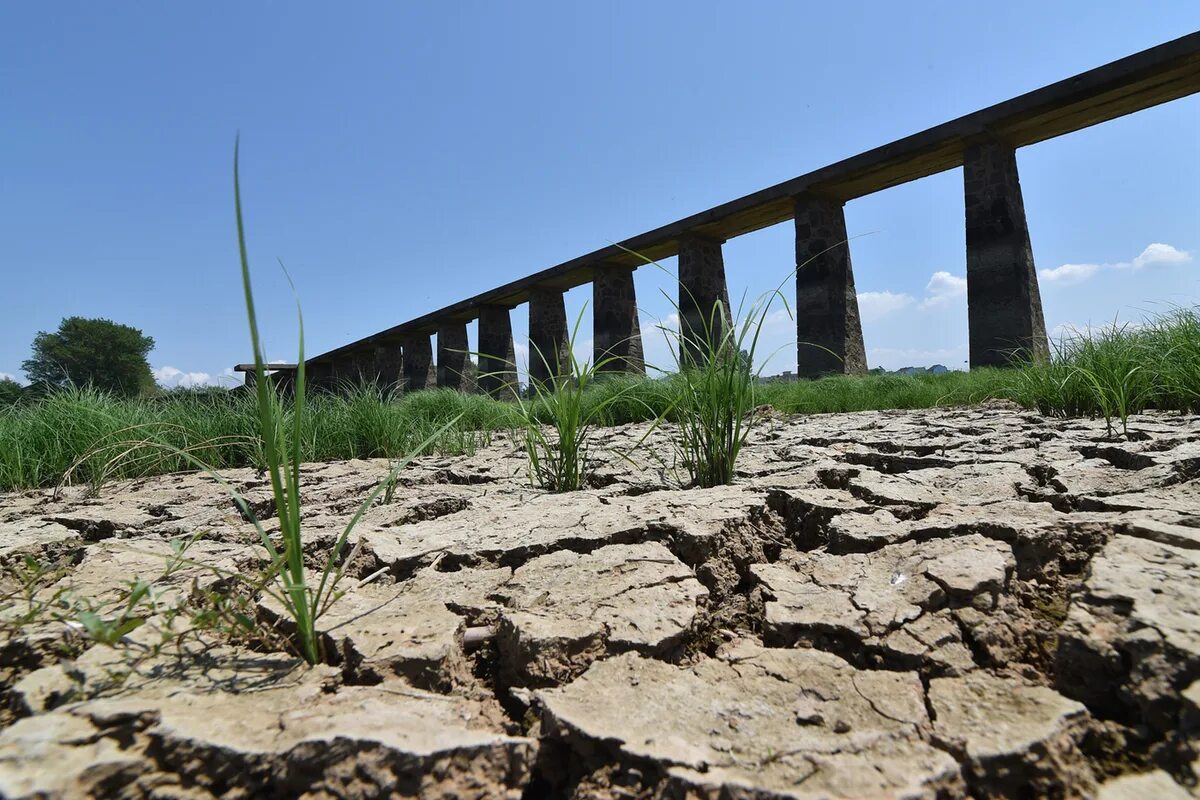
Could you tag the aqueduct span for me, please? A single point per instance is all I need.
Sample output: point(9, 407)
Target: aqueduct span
point(1004, 306)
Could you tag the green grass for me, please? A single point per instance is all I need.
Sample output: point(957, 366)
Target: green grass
point(41, 440)
point(1117, 370)
point(84, 432)
point(280, 441)
point(560, 414)
point(874, 392)
point(715, 389)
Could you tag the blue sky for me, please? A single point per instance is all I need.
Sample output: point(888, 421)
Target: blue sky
point(401, 156)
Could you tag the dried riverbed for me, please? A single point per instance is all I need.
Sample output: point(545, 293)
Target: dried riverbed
point(947, 603)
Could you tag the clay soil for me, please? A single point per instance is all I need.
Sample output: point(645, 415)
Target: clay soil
point(949, 603)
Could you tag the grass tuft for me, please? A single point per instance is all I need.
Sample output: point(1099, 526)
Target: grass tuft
point(714, 385)
point(1119, 369)
point(558, 451)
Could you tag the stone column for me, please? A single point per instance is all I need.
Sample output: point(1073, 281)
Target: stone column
point(616, 333)
point(549, 339)
point(319, 375)
point(330, 374)
point(828, 332)
point(701, 285)
point(418, 362)
point(452, 357)
point(363, 370)
point(284, 381)
point(1004, 306)
point(250, 378)
point(497, 357)
point(389, 361)
point(344, 369)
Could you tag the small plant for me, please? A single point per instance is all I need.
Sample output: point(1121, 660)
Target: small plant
point(715, 384)
point(109, 630)
point(558, 452)
point(714, 407)
point(141, 620)
point(1112, 363)
point(29, 594)
point(303, 602)
point(39, 594)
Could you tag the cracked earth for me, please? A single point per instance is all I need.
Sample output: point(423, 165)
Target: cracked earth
point(949, 603)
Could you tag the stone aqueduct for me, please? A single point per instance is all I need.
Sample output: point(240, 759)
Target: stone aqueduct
point(1004, 305)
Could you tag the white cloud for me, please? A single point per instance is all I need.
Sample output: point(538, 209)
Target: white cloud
point(1155, 253)
point(876, 305)
point(1158, 253)
point(7, 376)
point(942, 288)
point(1069, 273)
point(170, 378)
point(778, 322)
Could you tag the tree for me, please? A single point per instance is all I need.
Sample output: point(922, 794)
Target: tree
point(10, 392)
point(98, 352)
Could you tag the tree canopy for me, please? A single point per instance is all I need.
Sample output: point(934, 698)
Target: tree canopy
point(98, 352)
point(10, 391)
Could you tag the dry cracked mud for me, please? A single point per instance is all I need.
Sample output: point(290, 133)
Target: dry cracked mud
point(974, 602)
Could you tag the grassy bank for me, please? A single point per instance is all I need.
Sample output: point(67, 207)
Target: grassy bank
point(1109, 372)
point(85, 434)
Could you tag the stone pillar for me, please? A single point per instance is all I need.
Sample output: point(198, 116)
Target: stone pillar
point(453, 359)
point(284, 381)
point(319, 375)
point(344, 369)
point(828, 332)
point(1004, 306)
point(497, 358)
point(616, 333)
point(701, 285)
point(389, 361)
point(330, 374)
point(250, 378)
point(363, 369)
point(418, 362)
point(549, 339)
